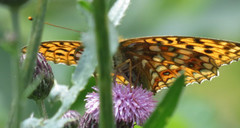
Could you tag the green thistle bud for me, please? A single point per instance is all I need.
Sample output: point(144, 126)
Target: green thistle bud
point(44, 71)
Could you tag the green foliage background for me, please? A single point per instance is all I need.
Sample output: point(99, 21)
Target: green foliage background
point(213, 104)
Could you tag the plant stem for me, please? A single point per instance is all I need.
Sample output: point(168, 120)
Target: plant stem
point(15, 23)
point(104, 61)
point(42, 108)
point(34, 42)
point(15, 112)
point(21, 81)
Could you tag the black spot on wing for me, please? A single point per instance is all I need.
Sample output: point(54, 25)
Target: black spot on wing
point(60, 54)
point(190, 46)
point(207, 46)
point(197, 40)
point(208, 51)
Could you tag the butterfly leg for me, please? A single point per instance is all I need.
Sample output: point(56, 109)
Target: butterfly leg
point(121, 68)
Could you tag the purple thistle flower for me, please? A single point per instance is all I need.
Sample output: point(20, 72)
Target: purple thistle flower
point(72, 115)
point(131, 105)
point(88, 121)
point(42, 69)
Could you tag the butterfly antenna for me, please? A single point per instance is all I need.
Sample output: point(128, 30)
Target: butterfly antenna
point(30, 18)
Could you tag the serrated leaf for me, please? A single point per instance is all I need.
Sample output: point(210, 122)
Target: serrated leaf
point(117, 11)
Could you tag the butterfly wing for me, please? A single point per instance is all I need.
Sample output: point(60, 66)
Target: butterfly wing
point(157, 61)
point(66, 52)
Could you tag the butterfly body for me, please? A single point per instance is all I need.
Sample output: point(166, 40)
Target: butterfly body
point(156, 62)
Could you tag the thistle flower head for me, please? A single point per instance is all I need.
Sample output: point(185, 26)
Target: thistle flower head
point(131, 105)
point(72, 115)
point(44, 71)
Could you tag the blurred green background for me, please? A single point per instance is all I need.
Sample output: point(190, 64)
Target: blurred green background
point(213, 104)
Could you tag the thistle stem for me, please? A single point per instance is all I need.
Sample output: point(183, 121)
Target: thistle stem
point(42, 108)
point(16, 106)
point(104, 61)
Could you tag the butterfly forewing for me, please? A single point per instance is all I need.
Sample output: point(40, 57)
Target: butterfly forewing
point(159, 60)
point(66, 52)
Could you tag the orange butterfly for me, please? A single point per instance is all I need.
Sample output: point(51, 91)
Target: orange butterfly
point(155, 62)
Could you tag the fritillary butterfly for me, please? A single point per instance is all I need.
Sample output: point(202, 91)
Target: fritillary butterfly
point(156, 62)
